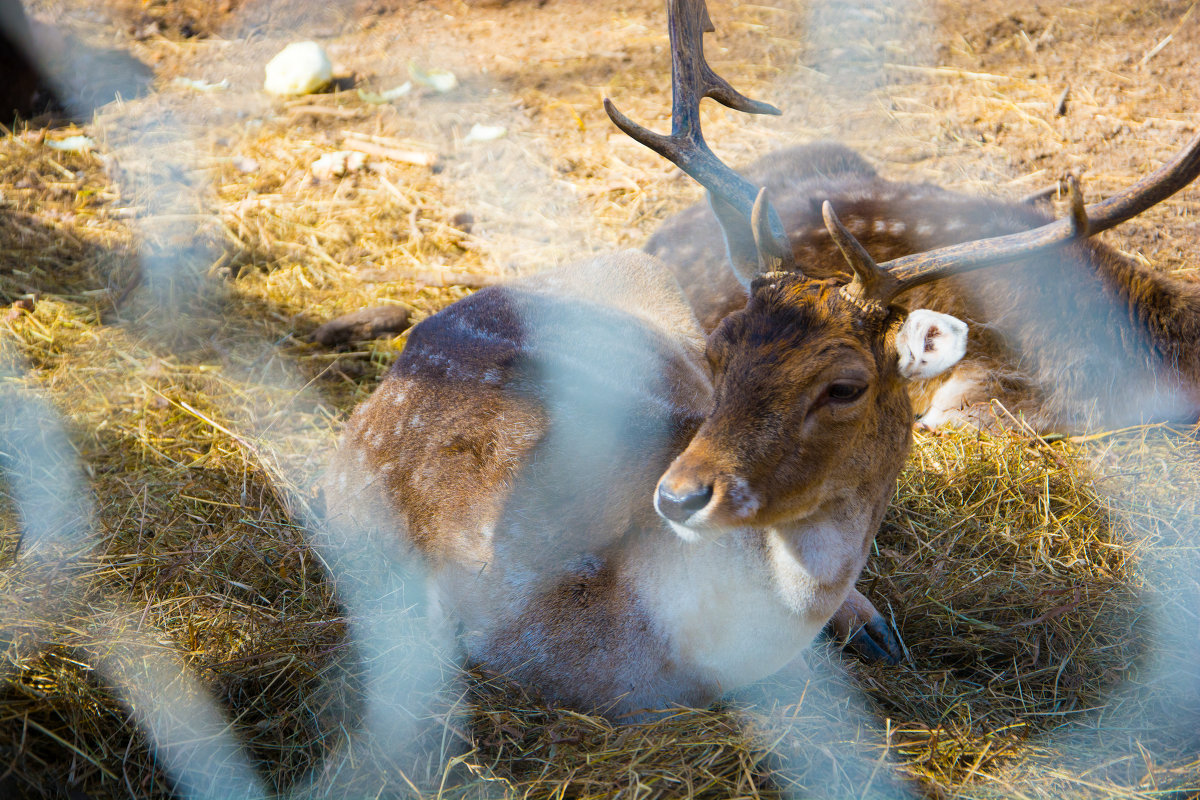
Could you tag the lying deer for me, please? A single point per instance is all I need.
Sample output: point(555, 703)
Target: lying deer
point(1078, 337)
point(625, 514)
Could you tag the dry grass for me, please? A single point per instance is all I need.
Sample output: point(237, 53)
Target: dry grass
point(161, 290)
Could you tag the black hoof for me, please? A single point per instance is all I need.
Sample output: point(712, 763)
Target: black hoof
point(875, 643)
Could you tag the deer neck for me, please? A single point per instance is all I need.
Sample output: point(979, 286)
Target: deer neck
point(740, 606)
point(718, 607)
point(814, 562)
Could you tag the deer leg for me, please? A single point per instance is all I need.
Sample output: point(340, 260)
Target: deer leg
point(864, 630)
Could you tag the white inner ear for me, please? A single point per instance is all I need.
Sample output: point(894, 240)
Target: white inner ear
point(929, 343)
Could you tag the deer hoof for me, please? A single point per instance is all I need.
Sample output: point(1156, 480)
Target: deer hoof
point(875, 642)
point(864, 631)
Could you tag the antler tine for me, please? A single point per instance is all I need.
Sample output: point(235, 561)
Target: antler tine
point(773, 255)
point(1081, 226)
point(1082, 222)
point(692, 79)
point(870, 283)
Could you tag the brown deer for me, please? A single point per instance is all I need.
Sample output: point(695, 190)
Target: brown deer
point(1078, 337)
point(625, 514)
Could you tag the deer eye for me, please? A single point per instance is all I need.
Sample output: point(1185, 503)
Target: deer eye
point(844, 391)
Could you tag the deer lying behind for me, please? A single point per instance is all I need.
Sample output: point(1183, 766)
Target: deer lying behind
point(1076, 338)
point(624, 514)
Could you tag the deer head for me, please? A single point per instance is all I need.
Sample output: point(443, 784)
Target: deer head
point(810, 407)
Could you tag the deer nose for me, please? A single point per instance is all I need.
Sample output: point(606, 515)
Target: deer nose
point(678, 506)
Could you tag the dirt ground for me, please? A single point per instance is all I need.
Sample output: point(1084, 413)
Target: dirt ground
point(163, 283)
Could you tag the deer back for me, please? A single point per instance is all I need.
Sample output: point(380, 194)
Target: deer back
point(530, 420)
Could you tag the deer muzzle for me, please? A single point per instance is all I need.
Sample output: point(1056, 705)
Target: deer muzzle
point(680, 503)
point(698, 494)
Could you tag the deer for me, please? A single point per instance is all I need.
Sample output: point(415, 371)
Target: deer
point(624, 512)
point(1077, 338)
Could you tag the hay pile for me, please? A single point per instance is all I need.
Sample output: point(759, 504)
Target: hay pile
point(158, 293)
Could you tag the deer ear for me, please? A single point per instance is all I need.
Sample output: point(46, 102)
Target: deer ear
point(929, 343)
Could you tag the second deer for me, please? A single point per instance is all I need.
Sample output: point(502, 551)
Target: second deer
point(1074, 338)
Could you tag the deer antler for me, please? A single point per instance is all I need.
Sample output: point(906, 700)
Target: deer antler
point(880, 283)
point(692, 79)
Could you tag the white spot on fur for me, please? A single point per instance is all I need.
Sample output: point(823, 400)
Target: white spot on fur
point(929, 343)
point(415, 421)
point(924, 229)
point(880, 226)
point(450, 366)
point(741, 501)
point(897, 228)
point(399, 429)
